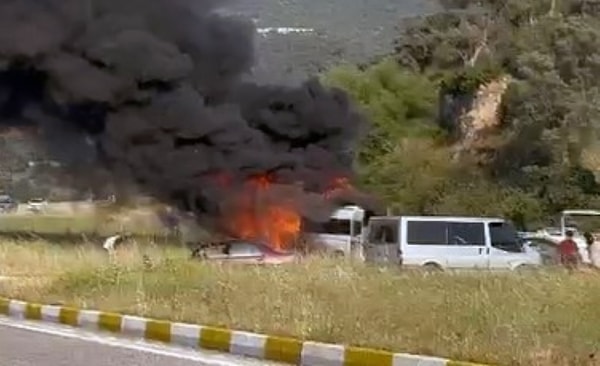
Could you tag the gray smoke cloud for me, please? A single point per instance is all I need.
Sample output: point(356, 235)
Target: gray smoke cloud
point(153, 90)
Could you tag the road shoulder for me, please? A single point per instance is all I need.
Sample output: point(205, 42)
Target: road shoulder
point(245, 344)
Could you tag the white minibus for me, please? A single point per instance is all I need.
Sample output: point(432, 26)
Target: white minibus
point(446, 242)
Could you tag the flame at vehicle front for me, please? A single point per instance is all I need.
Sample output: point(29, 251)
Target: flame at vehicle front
point(269, 209)
point(259, 216)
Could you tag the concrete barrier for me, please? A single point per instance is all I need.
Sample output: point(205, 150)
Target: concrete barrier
point(260, 346)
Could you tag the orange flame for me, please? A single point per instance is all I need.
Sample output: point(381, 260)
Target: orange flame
point(277, 224)
point(261, 181)
point(338, 184)
point(223, 179)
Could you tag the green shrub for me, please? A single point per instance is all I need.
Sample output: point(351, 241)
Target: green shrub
point(467, 81)
point(399, 103)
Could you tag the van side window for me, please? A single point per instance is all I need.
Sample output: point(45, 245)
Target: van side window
point(382, 232)
point(466, 233)
point(427, 232)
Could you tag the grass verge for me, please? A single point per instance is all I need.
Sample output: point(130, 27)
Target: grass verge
point(542, 318)
point(100, 222)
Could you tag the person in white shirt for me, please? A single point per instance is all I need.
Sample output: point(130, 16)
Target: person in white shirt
point(109, 243)
point(593, 250)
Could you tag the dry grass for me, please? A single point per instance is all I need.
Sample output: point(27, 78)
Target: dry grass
point(102, 222)
point(548, 318)
point(55, 224)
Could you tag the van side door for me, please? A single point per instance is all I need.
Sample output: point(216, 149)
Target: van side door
point(382, 244)
point(467, 245)
point(424, 241)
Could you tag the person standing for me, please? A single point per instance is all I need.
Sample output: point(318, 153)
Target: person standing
point(593, 250)
point(569, 252)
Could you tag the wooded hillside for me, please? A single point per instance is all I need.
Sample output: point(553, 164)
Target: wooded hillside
point(542, 153)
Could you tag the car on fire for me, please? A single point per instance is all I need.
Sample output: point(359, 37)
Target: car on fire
point(244, 252)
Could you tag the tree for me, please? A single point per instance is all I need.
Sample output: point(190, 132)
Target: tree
point(550, 113)
point(399, 102)
point(537, 161)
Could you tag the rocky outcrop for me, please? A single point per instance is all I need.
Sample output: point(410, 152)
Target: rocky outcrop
point(590, 159)
point(470, 118)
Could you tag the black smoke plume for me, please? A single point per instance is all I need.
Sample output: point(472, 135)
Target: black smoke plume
point(153, 90)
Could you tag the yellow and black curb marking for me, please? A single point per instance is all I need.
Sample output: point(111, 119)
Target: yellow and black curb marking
point(248, 344)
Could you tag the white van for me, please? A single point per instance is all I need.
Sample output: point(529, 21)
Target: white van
point(341, 234)
point(447, 242)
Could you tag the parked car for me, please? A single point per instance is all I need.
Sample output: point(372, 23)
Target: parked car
point(245, 252)
point(8, 204)
point(546, 247)
point(37, 205)
point(436, 242)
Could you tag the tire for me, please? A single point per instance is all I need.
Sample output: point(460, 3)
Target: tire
point(339, 254)
point(197, 254)
point(432, 267)
point(525, 268)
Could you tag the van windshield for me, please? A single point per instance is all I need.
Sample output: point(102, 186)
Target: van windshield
point(333, 226)
point(504, 236)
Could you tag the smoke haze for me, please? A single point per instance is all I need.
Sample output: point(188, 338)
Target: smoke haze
point(152, 91)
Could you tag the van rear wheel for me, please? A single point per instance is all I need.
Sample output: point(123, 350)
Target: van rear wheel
point(432, 267)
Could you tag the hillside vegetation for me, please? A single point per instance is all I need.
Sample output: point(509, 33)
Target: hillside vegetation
point(541, 154)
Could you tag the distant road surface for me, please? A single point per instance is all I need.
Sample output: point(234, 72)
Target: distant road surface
point(24, 343)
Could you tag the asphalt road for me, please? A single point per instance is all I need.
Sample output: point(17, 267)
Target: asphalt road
point(24, 343)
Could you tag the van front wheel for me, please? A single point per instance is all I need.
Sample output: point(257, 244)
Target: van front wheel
point(339, 254)
point(525, 267)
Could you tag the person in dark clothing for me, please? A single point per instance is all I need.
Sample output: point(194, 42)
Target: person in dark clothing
point(569, 252)
point(589, 238)
point(170, 219)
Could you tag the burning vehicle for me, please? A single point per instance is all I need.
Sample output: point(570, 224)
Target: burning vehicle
point(261, 214)
point(245, 252)
point(150, 94)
